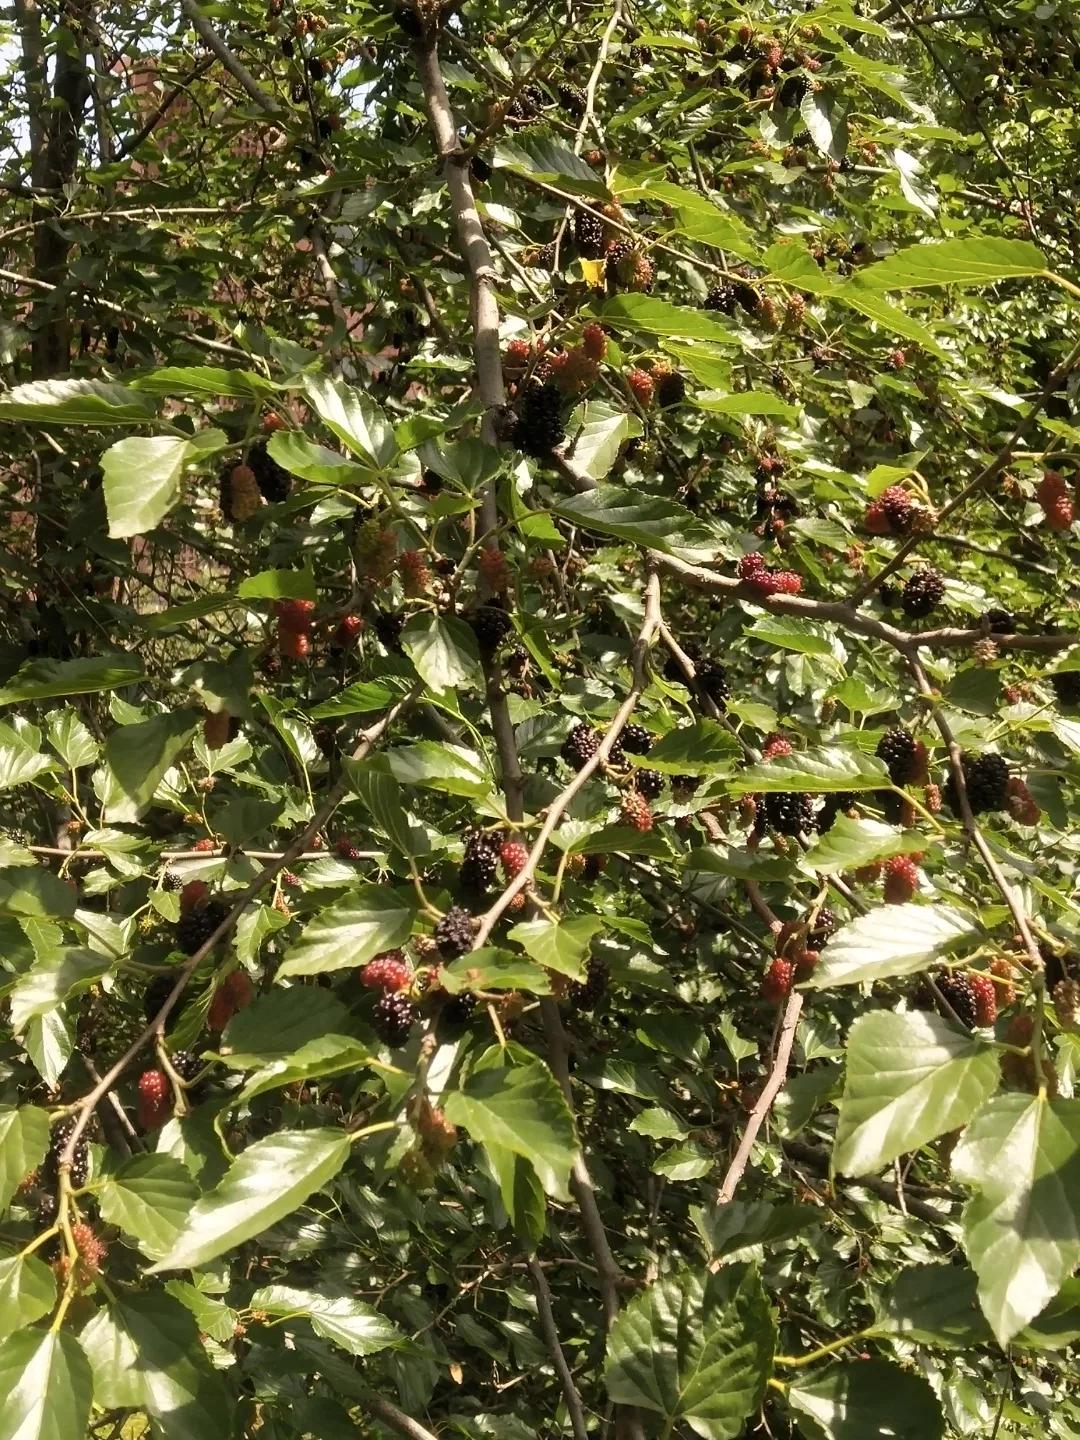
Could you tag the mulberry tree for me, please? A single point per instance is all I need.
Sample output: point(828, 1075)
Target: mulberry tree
point(539, 753)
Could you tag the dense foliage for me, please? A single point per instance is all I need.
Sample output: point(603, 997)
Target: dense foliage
point(540, 746)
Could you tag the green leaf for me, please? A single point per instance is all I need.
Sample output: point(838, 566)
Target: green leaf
point(660, 317)
point(59, 974)
point(149, 1198)
point(742, 1224)
point(1022, 1153)
point(27, 1291)
point(382, 796)
point(599, 432)
point(353, 417)
point(491, 969)
point(871, 303)
point(76, 402)
point(45, 1386)
point(909, 1079)
point(704, 747)
point(137, 757)
point(278, 585)
point(867, 1400)
point(71, 740)
point(146, 1354)
point(934, 1305)
point(444, 652)
point(203, 382)
point(24, 1138)
point(278, 1024)
point(142, 481)
point(363, 698)
point(49, 1041)
point(559, 945)
point(35, 892)
point(520, 1109)
point(824, 771)
point(19, 760)
point(696, 1348)
point(368, 920)
point(545, 159)
point(977, 260)
point(849, 843)
point(349, 1323)
point(42, 679)
point(433, 766)
point(879, 945)
point(649, 520)
point(268, 1181)
point(301, 456)
point(323, 1056)
point(803, 636)
point(684, 1162)
point(746, 402)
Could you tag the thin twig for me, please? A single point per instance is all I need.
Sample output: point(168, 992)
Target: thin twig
point(574, 1407)
point(156, 1026)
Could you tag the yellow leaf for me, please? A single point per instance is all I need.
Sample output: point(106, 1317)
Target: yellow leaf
point(594, 272)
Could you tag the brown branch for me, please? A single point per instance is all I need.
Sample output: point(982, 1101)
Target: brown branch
point(777, 1075)
point(835, 612)
point(484, 314)
point(156, 1026)
point(819, 1161)
point(396, 1419)
point(574, 1407)
point(219, 853)
point(236, 68)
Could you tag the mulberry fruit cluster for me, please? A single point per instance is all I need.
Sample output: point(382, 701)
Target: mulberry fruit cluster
point(239, 495)
point(588, 993)
point(393, 1016)
point(627, 268)
point(80, 1160)
point(754, 573)
point(986, 780)
point(389, 972)
point(273, 481)
point(923, 592)
point(893, 513)
point(454, 933)
point(194, 929)
point(491, 625)
point(580, 745)
point(960, 996)
point(899, 751)
point(514, 857)
point(635, 739)
point(479, 865)
point(648, 783)
point(539, 427)
point(788, 812)
point(1055, 501)
point(635, 812)
point(900, 879)
point(294, 628)
point(777, 982)
point(588, 235)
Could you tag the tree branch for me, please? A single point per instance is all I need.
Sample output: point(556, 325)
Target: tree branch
point(550, 1332)
point(396, 1419)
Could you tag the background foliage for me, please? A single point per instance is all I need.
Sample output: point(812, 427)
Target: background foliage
point(393, 399)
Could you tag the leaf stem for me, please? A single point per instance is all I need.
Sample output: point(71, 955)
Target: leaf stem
point(796, 1361)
